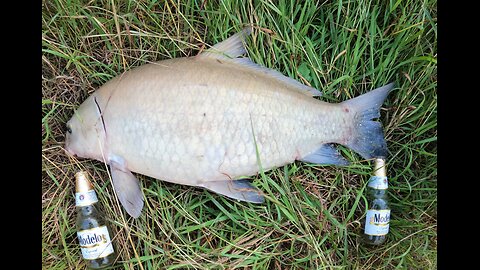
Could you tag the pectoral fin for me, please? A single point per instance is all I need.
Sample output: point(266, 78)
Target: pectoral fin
point(236, 189)
point(127, 188)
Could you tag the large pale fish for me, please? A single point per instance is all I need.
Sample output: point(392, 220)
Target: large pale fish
point(211, 119)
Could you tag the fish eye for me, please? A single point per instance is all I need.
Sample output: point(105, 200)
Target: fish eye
point(69, 129)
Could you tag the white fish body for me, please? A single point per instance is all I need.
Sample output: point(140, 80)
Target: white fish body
point(207, 120)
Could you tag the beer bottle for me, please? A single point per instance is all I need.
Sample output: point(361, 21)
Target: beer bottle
point(376, 223)
point(92, 231)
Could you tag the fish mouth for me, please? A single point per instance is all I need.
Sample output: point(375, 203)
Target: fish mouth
point(69, 152)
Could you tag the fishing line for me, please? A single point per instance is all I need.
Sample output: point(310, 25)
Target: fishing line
point(101, 114)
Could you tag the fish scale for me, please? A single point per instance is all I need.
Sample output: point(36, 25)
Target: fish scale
point(224, 128)
point(200, 121)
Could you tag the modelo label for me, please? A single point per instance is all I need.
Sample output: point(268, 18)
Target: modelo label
point(378, 182)
point(377, 222)
point(85, 198)
point(95, 243)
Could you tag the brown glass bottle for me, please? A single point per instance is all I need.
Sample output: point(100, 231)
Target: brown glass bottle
point(92, 231)
point(377, 220)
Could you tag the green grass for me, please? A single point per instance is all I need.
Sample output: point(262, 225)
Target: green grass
point(311, 218)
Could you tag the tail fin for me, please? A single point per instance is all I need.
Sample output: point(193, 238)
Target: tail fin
point(368, 138)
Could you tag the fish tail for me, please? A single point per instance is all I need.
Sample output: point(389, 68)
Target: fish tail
point(368, 138)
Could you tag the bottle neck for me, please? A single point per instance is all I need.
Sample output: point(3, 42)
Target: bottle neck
point(379, 168)
point(86, 198)
point(379, 179)
point(87, 212)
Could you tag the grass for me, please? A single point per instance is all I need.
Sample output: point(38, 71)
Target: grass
point(311, 218)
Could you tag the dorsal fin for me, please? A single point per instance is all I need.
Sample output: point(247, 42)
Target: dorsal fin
point(289, 82)
point(233, 48)
point(230, 48)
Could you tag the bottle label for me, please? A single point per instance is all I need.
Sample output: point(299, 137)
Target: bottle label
point(377, 222)
point(95, 243)
point(85, 198)
point(378, 182)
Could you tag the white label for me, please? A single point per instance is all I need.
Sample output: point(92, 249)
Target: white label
point(95, 243)
point(85, 198)
point(377, 222)
point(378, 182)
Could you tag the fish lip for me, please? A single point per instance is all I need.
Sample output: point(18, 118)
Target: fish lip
point(69, 152)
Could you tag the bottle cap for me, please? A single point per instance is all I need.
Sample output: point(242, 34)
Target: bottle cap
point(82, 183)
point(379, 167)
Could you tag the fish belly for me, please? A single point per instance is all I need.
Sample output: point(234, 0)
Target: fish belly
point(188, 121)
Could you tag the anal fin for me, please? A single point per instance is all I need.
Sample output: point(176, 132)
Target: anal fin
point(236, 189)
point(326, 154)
point(128, 189)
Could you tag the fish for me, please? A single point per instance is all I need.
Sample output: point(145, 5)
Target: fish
point(215, 119)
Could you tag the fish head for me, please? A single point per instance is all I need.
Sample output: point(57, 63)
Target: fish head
point(85, 134)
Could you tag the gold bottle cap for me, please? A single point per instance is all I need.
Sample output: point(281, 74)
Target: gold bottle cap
point(379, 168)
point(82, 184)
